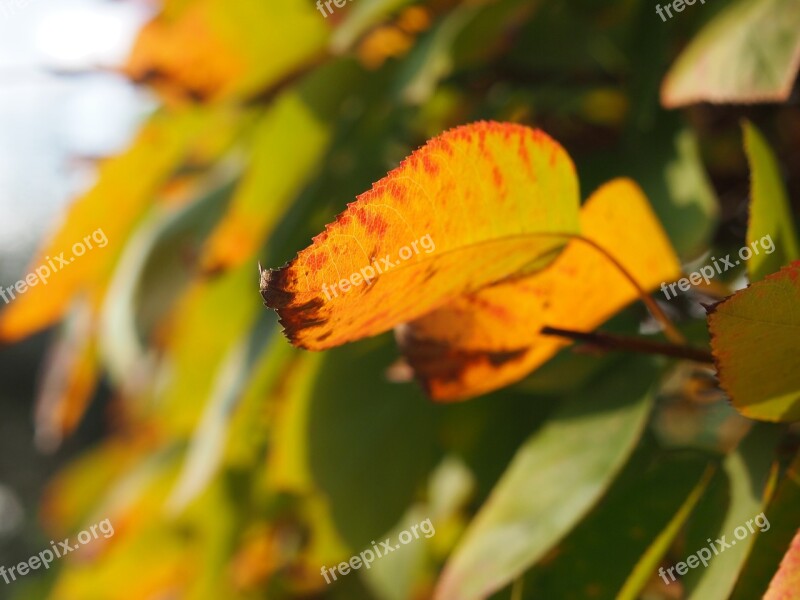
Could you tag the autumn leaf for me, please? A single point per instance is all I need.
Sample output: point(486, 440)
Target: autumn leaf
point(117, 201)
point(786, 583)
point(70, 497)
point(219, 49)
point(748, 53)
point(489, 339)
point(755, 351)
point(69, 380)
point(478, 205)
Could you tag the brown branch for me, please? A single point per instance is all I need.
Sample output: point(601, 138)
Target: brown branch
point(608, 341)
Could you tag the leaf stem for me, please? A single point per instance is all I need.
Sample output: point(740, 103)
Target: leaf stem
point(670, 330)
point(516, 588)
point(632, 344)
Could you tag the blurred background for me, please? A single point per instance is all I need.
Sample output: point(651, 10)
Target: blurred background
point(148, 385)
point(62, 105)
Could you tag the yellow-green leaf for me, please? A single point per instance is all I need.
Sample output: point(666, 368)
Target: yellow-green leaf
point(750, 52)
point(552, 482)
point(770, 213)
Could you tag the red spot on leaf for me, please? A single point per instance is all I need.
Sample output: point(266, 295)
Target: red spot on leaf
point(430, 165)
point(523, 152)
point(498, 177)
point(316, 260)
point(445, 147)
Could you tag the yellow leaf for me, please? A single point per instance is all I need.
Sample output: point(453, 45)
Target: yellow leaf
point(126, 184)
point(487, 340)
point(288, 464)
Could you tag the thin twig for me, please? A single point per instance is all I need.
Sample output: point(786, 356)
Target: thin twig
point(609, 341)
point(670, 330)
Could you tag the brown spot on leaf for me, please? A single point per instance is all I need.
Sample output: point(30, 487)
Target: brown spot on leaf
point(498, 359)
point(435, 363)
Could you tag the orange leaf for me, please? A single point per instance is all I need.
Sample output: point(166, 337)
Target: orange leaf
point(70, 378)
point(475, 206)
point(223, 49)
point(487, 340)
point(786, 583)
point(165, 57)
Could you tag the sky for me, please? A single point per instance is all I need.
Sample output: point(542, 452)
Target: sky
point(60, 107)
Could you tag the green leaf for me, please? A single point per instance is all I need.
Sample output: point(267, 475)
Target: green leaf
point(150, 276)
point(650, 559)
point(755, 349)
point(392, 577)
point(692, 201)
point(197, 350)
point(552, 482)
point(358, 423)
point(747, 470)
point(666, 162)
point(432, 60)
point(770, 213)
point(768, 550)
point(486, 432)
point(748, 53)
point(288, 143)
point(207, 446)
point(639, 505)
